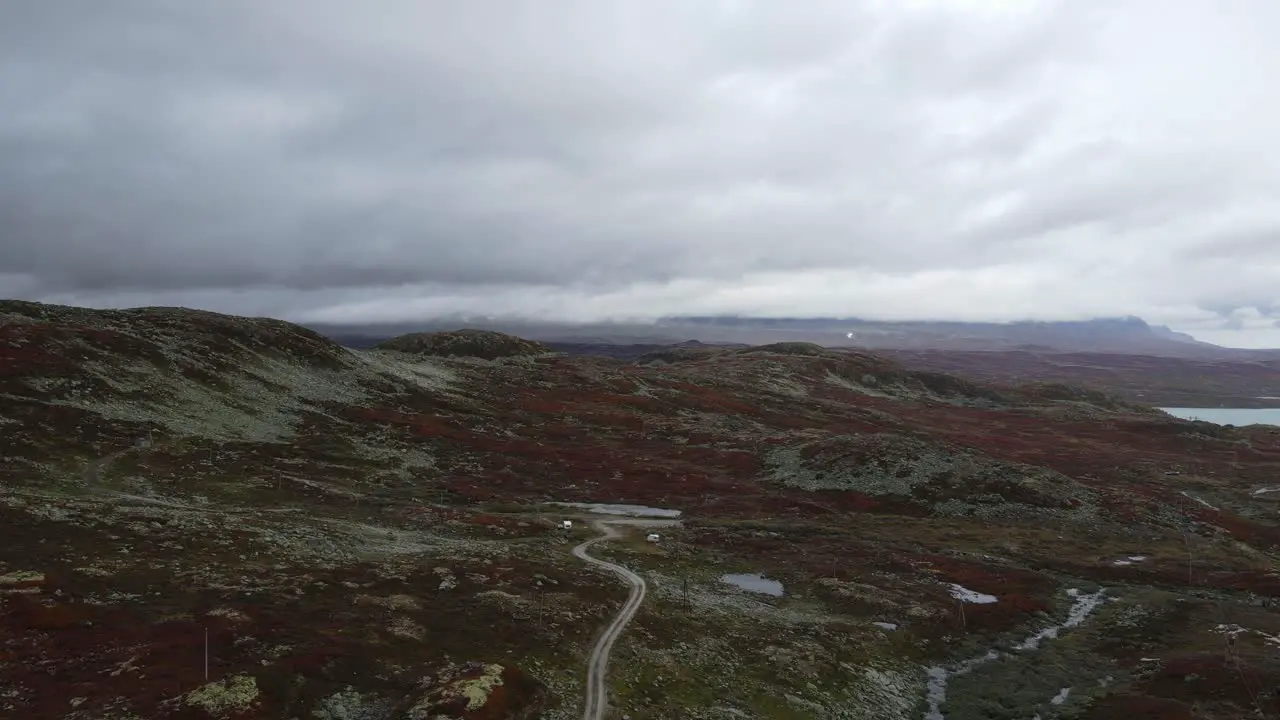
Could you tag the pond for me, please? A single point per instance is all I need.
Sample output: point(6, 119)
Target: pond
point(754, 582)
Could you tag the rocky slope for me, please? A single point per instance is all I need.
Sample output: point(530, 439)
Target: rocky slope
point(1161, 381)
point(1148, 379)
point(367, 533)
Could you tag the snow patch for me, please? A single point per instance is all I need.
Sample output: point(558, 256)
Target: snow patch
point(1230, 630)
point(964, 594)
point(1202, 502)
point(936, 686)
point(937, 676)
point(1084, 605)
point(1129, 560)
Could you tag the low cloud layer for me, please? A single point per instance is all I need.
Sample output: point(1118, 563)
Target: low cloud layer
point(948, 159)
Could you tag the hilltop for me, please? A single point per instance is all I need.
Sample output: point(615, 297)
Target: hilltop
point(363, 531)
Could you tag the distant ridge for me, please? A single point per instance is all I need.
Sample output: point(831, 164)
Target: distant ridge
point(1123, 335)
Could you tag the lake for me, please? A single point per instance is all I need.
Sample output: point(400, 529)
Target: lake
point(1229, 416)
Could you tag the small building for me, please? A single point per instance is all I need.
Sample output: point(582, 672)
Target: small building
point(566, 524)
point(652, 537)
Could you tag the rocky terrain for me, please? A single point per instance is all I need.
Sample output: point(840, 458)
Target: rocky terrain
point(1235, 378)
point(204, 516)
point(1155, 380)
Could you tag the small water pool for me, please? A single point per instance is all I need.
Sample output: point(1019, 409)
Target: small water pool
point(625, 510)
point(754, 582)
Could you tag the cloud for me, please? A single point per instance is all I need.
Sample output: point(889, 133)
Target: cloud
point(931, 158)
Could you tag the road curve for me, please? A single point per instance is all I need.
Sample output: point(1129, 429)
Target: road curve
point(598, 664)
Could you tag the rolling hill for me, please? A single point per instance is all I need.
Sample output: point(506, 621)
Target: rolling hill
point(370, 532)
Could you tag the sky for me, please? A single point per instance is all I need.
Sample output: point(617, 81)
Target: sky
point(325, 161)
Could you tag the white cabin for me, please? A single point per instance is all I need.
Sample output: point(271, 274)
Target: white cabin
point(566, 524)
point(652, 537)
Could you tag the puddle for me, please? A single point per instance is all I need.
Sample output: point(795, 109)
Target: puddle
point(936, 684)
point(886, 626)
point(756, 583)
point(627, 510)
point(1129, 560)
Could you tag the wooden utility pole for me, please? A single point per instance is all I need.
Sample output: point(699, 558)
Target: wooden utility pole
point(206, 654)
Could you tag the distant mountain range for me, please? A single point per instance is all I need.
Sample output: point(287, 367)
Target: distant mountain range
point(1127, 335)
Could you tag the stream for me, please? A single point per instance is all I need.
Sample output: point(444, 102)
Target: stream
point(936, 687)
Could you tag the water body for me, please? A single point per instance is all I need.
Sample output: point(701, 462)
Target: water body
point(754, 582)
point(1228, 416)
point(624, 510)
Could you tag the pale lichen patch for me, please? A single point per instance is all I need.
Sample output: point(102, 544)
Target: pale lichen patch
point(472, 690)
point(477, 690)
point(21, 577)
point(231, 614)
point(404, 627)
point(225, 697)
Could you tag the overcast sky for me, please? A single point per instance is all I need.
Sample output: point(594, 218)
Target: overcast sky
point(582, 159)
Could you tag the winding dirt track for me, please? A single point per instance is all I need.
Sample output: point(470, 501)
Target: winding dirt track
point(597, 700)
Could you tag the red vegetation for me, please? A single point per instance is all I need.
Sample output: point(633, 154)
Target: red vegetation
point(1215, 678)
point(1133, 706)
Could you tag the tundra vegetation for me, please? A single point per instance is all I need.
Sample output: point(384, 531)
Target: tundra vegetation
point(370, 534)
